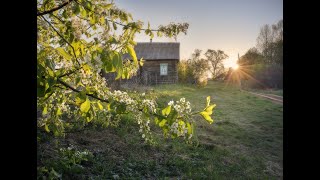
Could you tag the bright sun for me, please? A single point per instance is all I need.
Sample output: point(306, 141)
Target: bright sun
point(235, 66)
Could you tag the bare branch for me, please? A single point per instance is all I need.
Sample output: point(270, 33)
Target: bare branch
point(75, 90)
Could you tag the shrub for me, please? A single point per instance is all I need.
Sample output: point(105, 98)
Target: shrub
point(193, 72)
point(202, 82)
point(185, 72)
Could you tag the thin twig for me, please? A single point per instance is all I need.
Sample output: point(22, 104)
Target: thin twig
point(74, 53)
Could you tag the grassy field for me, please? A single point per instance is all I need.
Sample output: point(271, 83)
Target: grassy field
point(244, 142)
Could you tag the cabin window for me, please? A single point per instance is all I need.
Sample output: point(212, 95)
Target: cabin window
point(163, 69)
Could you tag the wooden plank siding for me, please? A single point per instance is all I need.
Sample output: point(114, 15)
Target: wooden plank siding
point(151, 72)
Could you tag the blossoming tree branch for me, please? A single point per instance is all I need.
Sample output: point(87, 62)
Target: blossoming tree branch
point(79, 38)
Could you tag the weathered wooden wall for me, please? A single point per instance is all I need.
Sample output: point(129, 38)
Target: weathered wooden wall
point(151, 72)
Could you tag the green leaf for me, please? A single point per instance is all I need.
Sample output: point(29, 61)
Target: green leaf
point(102, 20)
point(89, 5)
point(78, 101)
point(141, 62)
point(86, 68)
point(82, 49)
point(83, 12)
point(75, 45)
point(46, 86)
point(58, 112)
point(100, 105)
point(190, 129)
point(109, 67)
point(63, 53)
point(162, 123)
point(51, 73)
point(76, 9)
point(208, 101)
point(107, 6)
point(132, 53)
point(85, 106)
point(147, 31)
point(45, 111)
point(92, 20)
point(125, 74)
point(173, 115)
point(89, 117)
point(166, 111)
point(156, 120)
point(206, 116)
point(117, 61)
point(46, 128)
point(209, 109)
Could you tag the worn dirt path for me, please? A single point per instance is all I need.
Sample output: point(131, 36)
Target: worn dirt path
point(272, 97)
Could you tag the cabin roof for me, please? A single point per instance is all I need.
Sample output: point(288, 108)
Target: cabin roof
point(156, 51)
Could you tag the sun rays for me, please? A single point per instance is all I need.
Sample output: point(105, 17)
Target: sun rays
point(241, 72)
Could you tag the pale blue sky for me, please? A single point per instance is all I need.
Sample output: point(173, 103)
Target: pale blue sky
point(229, 25)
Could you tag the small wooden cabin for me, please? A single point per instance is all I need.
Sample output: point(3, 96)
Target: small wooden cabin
point(160, 65)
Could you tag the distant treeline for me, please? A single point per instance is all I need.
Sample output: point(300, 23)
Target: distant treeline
point(262, 66)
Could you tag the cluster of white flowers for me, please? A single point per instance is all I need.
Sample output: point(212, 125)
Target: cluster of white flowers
point(181, 106)
point(76, 24)
point(76, 153)
point(170, 103)
point(64, 64)
point(150, 104)
point(122, 97)
point(64, 107)
point(144, 126)
point(81, 154)
point(179, 128)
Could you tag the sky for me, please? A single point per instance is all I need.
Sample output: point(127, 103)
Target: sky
point(229, 25)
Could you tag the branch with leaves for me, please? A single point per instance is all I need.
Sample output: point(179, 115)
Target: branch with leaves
point(70, 57)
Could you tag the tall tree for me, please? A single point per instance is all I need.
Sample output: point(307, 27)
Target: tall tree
point(216, 59)
point(264, 42)
point(278, 42)
point(200, 65)
point(252, 56)
point(270, 42)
